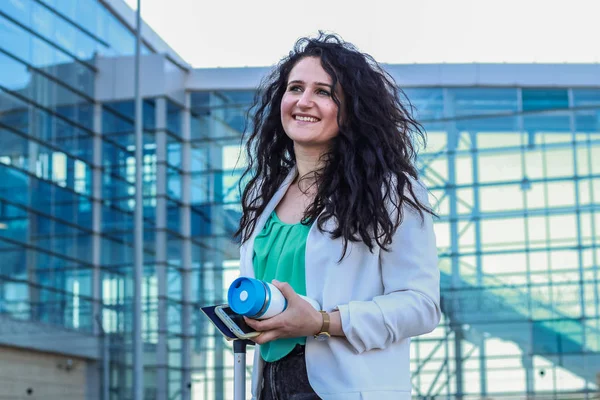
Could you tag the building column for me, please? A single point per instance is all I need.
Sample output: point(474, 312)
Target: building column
point(527, 362)
point(97, 295)
point(476, 215)
point(216, 218)
point(35, 308)
point(186, 248)
point(97, 217)
point(162, 387)
point(452, 140)
point(580, 262)
point(458, 356)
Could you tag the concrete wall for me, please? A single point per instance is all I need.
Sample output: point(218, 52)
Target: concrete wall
point(48, 338)
point(26, 374)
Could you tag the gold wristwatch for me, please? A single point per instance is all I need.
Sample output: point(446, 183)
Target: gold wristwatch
point(324, 333)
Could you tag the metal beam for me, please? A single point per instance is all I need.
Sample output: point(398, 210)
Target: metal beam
point(161, 247)
point(186, 248)
point(138, 348)
point(452, 140)
point(576, 186)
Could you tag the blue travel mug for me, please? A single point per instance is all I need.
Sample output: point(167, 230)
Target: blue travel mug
point(258, 299)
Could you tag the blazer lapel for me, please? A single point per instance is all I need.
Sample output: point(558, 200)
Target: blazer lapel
point(262, 220)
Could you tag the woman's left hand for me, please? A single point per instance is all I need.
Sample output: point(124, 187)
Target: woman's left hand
point(298, 320)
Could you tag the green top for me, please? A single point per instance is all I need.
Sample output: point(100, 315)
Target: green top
point(279, 254)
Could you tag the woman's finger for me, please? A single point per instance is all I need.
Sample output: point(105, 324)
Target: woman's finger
point(285, 288)
point(266, 337)
point(266, 324)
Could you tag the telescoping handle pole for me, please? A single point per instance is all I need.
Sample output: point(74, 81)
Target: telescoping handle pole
point(239, 369)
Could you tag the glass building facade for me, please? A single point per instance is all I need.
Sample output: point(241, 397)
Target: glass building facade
point(512, 163)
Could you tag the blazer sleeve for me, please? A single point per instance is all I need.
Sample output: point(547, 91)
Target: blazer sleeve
point(410, 304)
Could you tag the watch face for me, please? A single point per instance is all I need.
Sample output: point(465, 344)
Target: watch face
point(321, 337)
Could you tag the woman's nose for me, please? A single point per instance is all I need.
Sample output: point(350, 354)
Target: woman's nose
point(305, 100)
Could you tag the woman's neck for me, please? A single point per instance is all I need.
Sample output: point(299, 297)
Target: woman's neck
point(308, 161)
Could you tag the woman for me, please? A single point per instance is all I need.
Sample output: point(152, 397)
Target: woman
point(333, 210)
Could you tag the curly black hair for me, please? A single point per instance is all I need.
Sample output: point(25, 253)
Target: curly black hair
point(368, 164)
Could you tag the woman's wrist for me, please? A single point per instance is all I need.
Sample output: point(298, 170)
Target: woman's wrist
point(335, 324)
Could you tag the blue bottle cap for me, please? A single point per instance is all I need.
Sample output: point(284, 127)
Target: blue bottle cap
point(246, 296)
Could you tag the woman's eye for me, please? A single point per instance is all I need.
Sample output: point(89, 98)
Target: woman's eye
point(295, 89)
point(324, 92)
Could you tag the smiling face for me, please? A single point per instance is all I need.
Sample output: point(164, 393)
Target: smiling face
point(308, 112)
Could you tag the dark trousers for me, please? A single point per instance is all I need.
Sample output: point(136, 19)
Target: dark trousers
point(286, 379)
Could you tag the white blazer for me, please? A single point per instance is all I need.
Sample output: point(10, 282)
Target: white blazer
point(384, 299)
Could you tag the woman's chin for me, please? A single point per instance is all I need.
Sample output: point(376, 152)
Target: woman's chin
point(312, 140)
point(309, 143)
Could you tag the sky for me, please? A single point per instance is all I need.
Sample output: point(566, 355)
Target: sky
point(228, 33)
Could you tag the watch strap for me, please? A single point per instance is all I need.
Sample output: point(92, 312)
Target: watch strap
point(326, 322)
point(325, 327)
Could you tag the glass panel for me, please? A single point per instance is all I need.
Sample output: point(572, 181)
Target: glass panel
point(30, 49)
point(483, 101)
point(46, 93)
point(544, 99)
point(428, 103)
point(504, 167)
point(174, 118)
point(586, 97)
point(174, 152)
point(53, 28)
